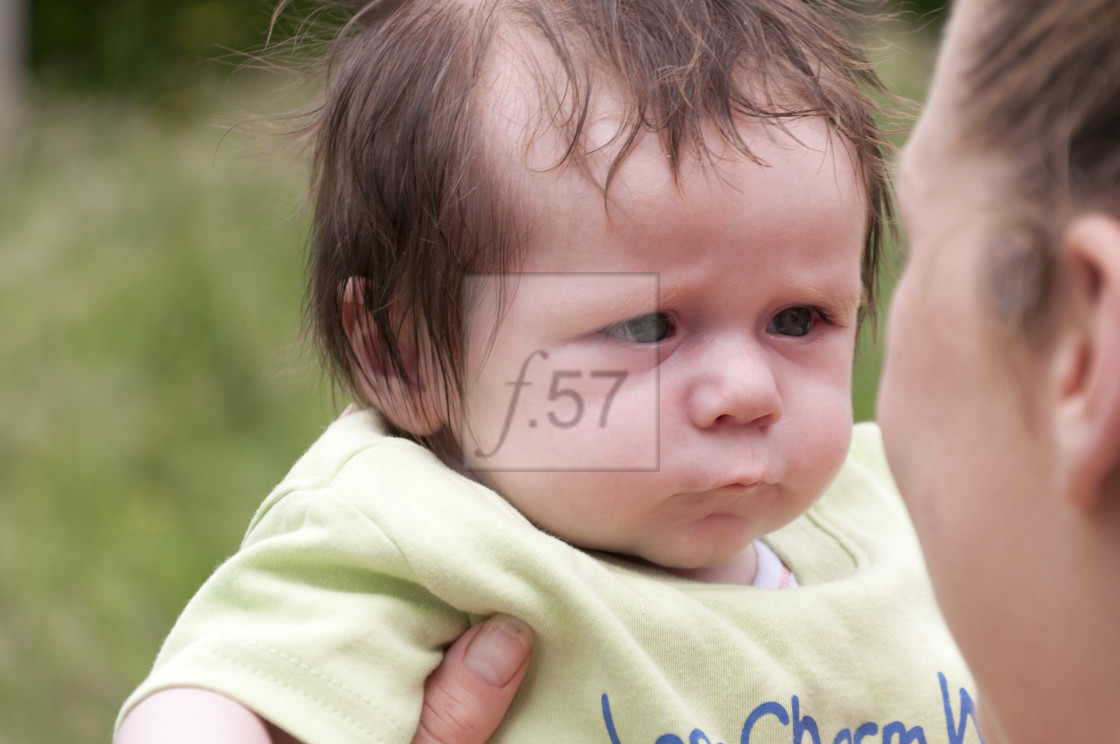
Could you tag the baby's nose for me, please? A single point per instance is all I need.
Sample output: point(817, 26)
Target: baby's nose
point(735, 384)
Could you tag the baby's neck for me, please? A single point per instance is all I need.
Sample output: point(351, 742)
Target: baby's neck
point(739, 570)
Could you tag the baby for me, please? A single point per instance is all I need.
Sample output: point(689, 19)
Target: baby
point(596, 271)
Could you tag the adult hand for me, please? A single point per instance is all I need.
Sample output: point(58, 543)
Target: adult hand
point(467, 695)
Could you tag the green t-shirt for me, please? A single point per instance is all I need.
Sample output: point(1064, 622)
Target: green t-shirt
point(371, 556)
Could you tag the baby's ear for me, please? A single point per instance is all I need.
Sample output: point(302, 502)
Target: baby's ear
point(1088, 360)
point(411, 398)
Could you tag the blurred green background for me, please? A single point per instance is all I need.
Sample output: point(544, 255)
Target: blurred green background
point(152, 384)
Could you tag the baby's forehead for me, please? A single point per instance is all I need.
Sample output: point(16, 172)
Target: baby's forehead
point(538, 120)
point(531, 111)
point(536, 134)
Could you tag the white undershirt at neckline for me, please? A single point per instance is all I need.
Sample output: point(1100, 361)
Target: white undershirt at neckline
point(771, 573)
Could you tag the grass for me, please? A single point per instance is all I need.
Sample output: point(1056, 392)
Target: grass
point(151, 389)
point(150, 283)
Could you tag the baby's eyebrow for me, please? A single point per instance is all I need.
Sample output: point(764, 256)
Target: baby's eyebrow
point(608, 296)
point(631, 299)
point(841, 304)
point(852, 306)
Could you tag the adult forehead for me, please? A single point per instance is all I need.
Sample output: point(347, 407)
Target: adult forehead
point(937, 144)
point(956, 53)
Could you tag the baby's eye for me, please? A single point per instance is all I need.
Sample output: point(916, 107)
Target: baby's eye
point(644, 329)
point(793, 321)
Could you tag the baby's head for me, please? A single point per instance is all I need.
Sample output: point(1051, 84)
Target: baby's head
point(610, 258)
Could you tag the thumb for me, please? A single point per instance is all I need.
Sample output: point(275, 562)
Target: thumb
point(467, 695)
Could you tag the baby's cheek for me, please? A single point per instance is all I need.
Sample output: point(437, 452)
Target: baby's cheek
point(822, 454)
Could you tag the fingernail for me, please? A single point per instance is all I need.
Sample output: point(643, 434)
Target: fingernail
point(499, 649)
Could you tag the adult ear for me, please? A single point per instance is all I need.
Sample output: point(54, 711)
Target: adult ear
point(407, 397)
point(1088, 359)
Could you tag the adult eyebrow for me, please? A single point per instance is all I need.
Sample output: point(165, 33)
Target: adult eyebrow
point(901, 245)
point(903, 202)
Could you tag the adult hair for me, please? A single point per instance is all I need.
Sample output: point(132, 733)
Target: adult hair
point(406, 201)
point(1042, 92)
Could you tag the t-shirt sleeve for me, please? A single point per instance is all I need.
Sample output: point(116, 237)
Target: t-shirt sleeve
point(318, 624)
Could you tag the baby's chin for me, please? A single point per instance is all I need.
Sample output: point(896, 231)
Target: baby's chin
point(740, 569)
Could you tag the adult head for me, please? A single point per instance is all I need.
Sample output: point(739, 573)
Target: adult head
point(1000, 400)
